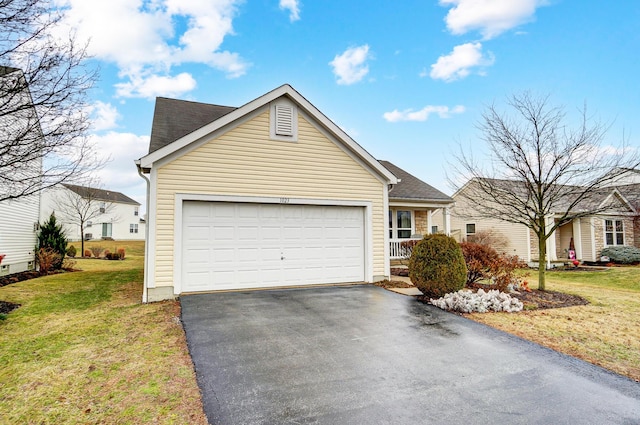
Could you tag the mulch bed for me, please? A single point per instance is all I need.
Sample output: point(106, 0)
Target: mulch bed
point(539, 300)
point(386, 284)
point(7, 307)
point(18, 277)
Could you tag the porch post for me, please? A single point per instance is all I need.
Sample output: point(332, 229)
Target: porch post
point(577, 238)
point(551, 243)
point(446, 216)
point(429, 221)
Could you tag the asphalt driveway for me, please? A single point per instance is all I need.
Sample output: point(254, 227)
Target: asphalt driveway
point(363, 355)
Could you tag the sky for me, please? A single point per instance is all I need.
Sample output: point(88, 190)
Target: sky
point(408, 80)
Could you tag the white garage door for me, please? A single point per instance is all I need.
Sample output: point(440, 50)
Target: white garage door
point(244, 245)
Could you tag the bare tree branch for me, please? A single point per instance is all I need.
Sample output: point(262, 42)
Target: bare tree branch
point(540, 168)
point(43, 101)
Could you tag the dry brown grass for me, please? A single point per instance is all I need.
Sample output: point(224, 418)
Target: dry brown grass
point(604, 333)
point(84, 349)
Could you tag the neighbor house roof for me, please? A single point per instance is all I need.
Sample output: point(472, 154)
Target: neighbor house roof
point(100, 194)
point(596, 200)
point(412, 188)
point(631, 192)
point(173, 119)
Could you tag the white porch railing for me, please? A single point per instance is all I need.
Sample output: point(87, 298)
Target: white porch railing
point(396, 250)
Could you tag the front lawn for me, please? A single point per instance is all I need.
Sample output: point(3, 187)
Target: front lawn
point(83, 349)
point(605, 332)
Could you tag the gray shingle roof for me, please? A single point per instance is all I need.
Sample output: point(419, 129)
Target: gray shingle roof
point(173, 119)
point(631, 192)
point(412, 188)
point(100, 194)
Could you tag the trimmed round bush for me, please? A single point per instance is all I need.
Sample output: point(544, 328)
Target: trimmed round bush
point(71, 251)
point(622, 254)
point(437, 266)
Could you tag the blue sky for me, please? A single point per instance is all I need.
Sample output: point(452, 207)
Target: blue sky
point(408, 80)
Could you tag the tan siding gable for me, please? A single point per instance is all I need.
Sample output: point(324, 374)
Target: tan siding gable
point(246, 162)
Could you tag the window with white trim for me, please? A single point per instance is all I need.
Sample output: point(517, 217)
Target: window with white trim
point(133, 228)
point(403, 227)
point(103, 207)
point(613, 232)
point(89, 224)
point(434, 229)
point(471, 229)
point(136, 211)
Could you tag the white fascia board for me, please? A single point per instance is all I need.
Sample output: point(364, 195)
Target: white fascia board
point(418, 204)
point(284, 90)
point(624, 200)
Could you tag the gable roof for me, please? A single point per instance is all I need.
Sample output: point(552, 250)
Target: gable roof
point(100, 194)
point(173, 119)
point(164, 146)
point(410, 187)
point(598, 199)
point(632, 193)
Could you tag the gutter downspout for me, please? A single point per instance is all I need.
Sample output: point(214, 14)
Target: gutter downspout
point(146, 234)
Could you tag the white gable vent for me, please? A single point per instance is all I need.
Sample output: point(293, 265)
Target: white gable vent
point(284, 121)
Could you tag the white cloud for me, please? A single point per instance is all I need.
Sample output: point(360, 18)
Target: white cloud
point(350, 66)
point(154, 85)
point(294, 8)
point(458, 63)
point(145, 39)
point(121, 149)
point(103, 116)
point(423, 114)
point(489, 17)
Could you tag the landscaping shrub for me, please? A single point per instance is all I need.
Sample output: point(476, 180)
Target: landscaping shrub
point(121, 253)
point(490, 237)
point(71, 251)
point(406, 249)
point(479, 259)
point(87, 253)
point(106, 252)
point(111, 255)
point(69, 264)
point(52, 236)
point(622, 254)
point(48, 259)
point(437, 266)
point(96, 251)
point(465, 301)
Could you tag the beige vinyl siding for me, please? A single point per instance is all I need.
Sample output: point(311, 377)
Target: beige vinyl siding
point(515, 234)
point(245, 162)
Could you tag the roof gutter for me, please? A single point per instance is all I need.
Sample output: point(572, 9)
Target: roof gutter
point(146, 233)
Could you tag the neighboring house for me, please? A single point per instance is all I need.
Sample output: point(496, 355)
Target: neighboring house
point(269, 194)
point(19, 217)
point(588, 235)
point(109, 214)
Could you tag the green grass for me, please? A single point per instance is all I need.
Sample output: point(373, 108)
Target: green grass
point(605, 332)
point(82, 348)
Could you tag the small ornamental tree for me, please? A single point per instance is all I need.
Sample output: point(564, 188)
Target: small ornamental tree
point(437, 266)
point(52, 236)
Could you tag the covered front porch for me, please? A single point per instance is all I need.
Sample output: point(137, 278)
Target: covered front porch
point(413, 223)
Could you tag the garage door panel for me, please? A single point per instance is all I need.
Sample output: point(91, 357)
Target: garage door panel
point(228, 245)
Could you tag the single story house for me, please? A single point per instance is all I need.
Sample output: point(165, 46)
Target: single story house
point(106, 214)
point(269, 194)
point(585, 236)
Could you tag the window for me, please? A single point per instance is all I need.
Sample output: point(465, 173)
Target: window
point(106, 230)
point(434, 229)
point(403, 224)
point(135, 211)
point(103, 207)
point(471, 228)
point(89, 223)
point(133, 228)
point(613, 232)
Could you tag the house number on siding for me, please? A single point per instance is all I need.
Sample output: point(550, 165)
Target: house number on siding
point(284, 200)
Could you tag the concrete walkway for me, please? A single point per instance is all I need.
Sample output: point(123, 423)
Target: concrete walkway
point(364, 355)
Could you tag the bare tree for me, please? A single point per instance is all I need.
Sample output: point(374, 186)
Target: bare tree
point(540, 172)
point(43, 100)
point(78, 205)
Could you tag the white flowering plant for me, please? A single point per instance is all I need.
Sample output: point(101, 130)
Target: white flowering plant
point(465, 301)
